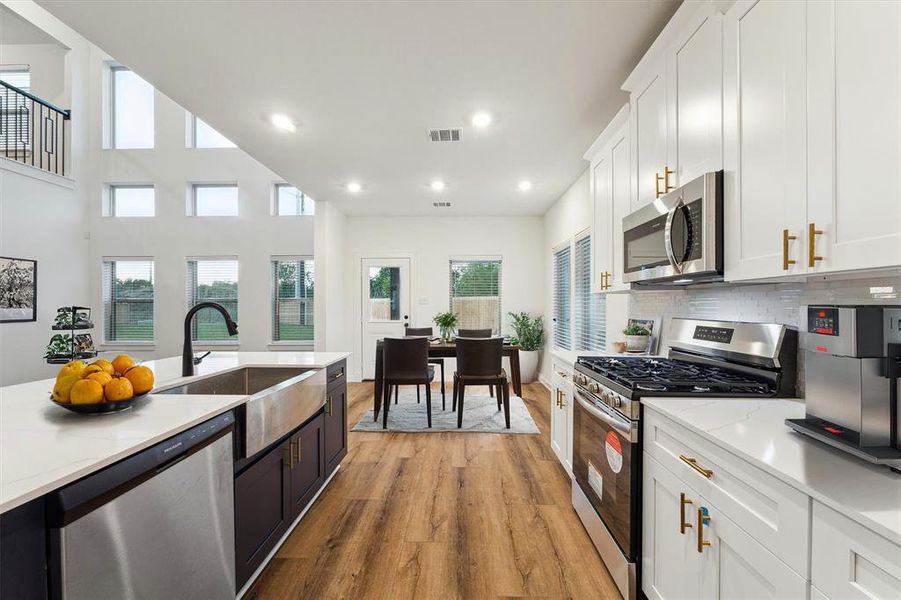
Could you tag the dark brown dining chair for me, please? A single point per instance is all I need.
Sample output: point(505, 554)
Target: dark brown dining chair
point(479, 363)
point(474, 333)
point(405, 362)
point(427, 333)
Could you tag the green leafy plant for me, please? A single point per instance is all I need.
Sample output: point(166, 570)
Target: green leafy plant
point(635, 329)
point(529, 330)
point(446, 322)
point(59, 344)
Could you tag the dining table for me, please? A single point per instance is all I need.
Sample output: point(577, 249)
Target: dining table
point(442, 349)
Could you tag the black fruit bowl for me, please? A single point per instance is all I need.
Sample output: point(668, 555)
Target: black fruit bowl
point(100, 407)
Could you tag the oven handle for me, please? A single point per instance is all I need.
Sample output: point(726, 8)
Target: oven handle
point(668, 236)
point(623, 426)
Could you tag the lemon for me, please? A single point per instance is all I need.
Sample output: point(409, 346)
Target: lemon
point(63, 387)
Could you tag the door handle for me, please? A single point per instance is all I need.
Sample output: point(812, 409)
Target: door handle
point(682, 502)
point(703, 519)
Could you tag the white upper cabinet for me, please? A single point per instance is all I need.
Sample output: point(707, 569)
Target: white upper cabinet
point(620, 197)
point(765, 151)
point(853, 135)
point(649, 135)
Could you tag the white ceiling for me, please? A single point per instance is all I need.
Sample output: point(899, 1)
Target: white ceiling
point(365, 80)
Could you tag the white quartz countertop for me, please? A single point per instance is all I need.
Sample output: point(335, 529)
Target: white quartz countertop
point(44, 447)
point(755, 430)
point(569, 356)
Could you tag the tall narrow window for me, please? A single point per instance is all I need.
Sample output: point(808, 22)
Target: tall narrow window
point(15, 114)
point(475, 294)
point(562, 292)
point(131, 201)
point(590, 317)
point(207, 137)
point(214, 200)
point(213, 280)
point(292, 299)
point(127, 300)
point(132, 110)
point(291, 202)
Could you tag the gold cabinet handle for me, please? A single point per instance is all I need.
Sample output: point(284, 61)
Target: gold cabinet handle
point(607, 280)
point(693, 463)
point(657, 180)
point(812, 233)
point(299, 449)
point(703, 519)
point(291, 455)
point(682, 524)
point(786, 261)
point(329, 406)
point(666, 173)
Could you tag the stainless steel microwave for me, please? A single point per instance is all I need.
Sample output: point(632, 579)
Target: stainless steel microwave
point(678, 238)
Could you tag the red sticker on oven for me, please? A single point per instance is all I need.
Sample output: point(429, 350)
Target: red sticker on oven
point(614, 452)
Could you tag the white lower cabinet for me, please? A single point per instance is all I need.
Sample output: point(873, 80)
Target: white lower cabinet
point(561, 414)
point(849, 561)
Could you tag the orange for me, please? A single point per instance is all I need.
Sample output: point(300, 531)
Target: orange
point(86, 391)
point(118, 389)
point(122, 363)
point(63, 387)
point(141, 379)
point(100, 377)
point(91, 369)
point(104, 364)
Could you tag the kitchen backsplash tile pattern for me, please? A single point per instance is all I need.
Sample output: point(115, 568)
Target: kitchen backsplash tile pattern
point(773, 303)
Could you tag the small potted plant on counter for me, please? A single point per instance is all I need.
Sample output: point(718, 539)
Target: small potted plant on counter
point(529, 336)
point(446, 322)
point(637, 338)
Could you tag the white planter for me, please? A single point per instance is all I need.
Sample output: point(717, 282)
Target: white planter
point(637, 343)
point(528, 365)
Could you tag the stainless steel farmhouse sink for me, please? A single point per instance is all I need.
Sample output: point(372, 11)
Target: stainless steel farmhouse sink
point(279, 399)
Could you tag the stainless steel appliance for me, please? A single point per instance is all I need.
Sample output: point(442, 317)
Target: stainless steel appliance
point(852, 368)
point(678, 238)
point(706, 358)
point(159, 524)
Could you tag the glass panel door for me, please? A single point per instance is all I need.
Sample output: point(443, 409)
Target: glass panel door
point(385, 303)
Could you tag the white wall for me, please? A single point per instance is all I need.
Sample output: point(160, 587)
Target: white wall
point(50, 74)
point(432, 242)
point(331, 324)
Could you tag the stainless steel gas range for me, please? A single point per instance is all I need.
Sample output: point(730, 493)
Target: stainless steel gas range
point(706, 358)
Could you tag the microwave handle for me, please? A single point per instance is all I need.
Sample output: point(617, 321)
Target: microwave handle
point(668, 236)
point(623, 426)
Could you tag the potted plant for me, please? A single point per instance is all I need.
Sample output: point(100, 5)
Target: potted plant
point(638, 338)
point(446, 322)
point(529, 336)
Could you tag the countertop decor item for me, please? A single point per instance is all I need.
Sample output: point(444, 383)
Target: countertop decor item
point(18, 290)
point(638, 337)
point(446, 322)
point(529, 336)
point(66, 347)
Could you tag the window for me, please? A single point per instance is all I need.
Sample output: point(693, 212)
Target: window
point(384, 293)
point(207, 137)
point(291, 202)
point(131, 201)
point(132, 110)
point(292, 299)
point(475, 294)
point(15, 117)
point(19, 77)
point(562, 288)
point(213, 280)
point(214, 200)
point(127, 300)
point(590, 309)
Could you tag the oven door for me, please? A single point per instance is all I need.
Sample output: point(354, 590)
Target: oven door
point(606, 459)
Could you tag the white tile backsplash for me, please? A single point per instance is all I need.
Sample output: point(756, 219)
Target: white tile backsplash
point(769, 303)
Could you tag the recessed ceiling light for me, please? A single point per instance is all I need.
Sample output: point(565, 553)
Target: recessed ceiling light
point(525, 185)
point(354, 188)
point(437, 186)
point(481, 119)
point(283, 122)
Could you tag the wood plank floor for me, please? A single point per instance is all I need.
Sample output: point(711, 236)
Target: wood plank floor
point(441, 515)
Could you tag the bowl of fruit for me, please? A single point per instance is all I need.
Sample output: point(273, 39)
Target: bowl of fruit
point(102, 386)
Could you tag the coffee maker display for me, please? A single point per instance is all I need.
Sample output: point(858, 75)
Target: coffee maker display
point(852, 368)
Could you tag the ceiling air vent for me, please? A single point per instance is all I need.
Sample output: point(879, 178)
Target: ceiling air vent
point(445, 135)
point(441, 204)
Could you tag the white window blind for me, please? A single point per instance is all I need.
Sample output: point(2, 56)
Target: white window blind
point(212, 280)
point(589, 309)
point(127, 300)
point(293, 280)
point(17, 77)
point(207, 137)
point(562, 292)
point(132, 110)
point(475, 294)
point(215, 200)
point(15, 116)
point(291, 202)
point(131, 201)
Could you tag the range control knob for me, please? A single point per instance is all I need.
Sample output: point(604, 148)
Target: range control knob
point(617, 401)
point(593, 387)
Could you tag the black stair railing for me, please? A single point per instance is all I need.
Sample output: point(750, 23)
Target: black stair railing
point(32, 131)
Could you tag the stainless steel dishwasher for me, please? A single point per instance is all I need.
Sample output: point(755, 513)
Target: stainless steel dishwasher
point(159, 524)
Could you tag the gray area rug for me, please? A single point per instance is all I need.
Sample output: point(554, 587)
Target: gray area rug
point(480, 415)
